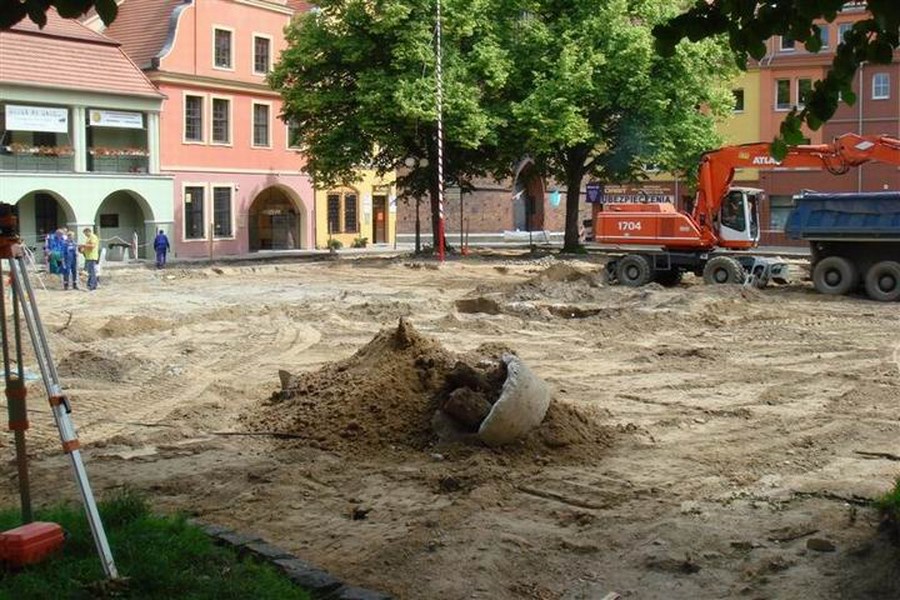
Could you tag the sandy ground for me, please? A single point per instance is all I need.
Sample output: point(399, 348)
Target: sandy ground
point(733, 427)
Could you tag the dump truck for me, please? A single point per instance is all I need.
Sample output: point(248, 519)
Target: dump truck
point(854, 241)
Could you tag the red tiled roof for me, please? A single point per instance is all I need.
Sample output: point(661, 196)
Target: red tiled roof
point(66, 54)
point(143, 28)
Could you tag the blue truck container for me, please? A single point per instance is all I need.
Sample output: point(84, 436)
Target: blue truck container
point(854, 240)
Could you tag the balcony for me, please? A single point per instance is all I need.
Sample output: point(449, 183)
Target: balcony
point(119, 163)
point(41, 159)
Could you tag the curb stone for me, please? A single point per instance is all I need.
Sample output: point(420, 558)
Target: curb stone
point(321, 584)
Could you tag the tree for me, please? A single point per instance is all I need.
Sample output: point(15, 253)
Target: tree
point(13, 11)
point(749, 23)
point(589, 97)
point(358, 83)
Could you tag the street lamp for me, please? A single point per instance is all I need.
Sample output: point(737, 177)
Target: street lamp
point(412, 162)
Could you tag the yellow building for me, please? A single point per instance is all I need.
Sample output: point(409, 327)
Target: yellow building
point(744, 126)
point(365, 209)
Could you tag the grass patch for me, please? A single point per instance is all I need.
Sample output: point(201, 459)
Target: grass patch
point(889, 505)
point(162, 557)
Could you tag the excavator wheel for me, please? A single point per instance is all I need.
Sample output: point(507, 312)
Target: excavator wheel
point(723, 269)
point(835, 275)
point(669, 278)
point(634, 270)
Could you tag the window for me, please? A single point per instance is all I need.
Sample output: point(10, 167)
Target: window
point(779, 209)
point(193, 213)
point(261, 125)
point(804, 87)
point(843, 28)
point(738, 100)
point(350, 210)
point(346, 204)
point(293, 135)
point(193, 118)
point(782, 94)
point(334, 213)
point(261, 54)
point(823, 34)
point(881, 86)
point(222, 48)
point(221, 121)
point(109, 220)
point(787, 44)
point(222, 212)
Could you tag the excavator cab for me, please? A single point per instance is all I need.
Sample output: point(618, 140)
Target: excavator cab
point(739, 218)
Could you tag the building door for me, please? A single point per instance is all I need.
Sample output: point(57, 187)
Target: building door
point(379, 220)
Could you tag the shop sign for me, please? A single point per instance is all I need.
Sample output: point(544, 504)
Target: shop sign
point(634, 194)
point(116, 118)
point(37, 118)
point(592, 192)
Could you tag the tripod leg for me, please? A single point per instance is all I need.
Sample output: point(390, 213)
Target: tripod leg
point(61, 409)
point(15, 398)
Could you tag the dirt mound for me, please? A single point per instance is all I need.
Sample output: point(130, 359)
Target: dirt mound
point(129, 326)
point(386, 395)
point(380, 396)
point(561, 272)
point(84, 364)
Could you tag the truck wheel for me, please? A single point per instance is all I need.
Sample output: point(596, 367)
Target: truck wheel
point(835, 275)
point(883, 281)
point(669, 278)
point(723, 269)
point(634, 271)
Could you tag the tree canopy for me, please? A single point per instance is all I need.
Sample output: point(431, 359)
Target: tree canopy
point(589, 97)
point(749, 23)
point(358, 82)
point(13, 11)
point(576, 86)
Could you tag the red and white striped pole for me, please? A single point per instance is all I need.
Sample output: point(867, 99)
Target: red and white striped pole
point(440, 136)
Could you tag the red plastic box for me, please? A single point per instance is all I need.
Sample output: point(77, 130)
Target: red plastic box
point(30, 544)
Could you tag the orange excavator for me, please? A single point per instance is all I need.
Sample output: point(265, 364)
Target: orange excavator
point(723, 224)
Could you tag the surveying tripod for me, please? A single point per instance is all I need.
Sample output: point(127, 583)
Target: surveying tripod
point(22, 301)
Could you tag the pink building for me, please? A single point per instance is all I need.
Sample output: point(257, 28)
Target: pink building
point(238, 181)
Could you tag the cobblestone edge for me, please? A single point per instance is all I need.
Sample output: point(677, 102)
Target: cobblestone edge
point(320, 584)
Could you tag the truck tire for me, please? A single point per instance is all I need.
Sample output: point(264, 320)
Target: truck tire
point(835, 275)
point(634, 271)
point(723, 269)
point(883, 281)
point(669, 278)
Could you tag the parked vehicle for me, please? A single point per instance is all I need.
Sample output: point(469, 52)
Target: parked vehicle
point(714, 239)
point(854, 240)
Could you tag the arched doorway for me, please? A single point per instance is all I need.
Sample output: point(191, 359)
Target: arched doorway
point(121, 215)
point(274, 221)
point(42, 212)
point(528, 198)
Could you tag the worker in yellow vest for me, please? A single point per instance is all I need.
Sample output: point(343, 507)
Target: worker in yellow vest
point(91, 250)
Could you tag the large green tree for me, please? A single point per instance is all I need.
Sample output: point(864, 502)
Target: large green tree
point(749, 23)
point(589, 97)
point(358, 82)
point(13, 11)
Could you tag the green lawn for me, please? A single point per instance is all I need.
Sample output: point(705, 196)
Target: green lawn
point(161, 557)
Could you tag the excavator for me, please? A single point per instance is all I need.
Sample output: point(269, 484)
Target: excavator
point(713, 239)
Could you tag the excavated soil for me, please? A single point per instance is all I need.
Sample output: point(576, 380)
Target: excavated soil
point(385, 396)
point(703, 442)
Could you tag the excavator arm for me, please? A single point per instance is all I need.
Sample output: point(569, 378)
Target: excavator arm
point(717, 168)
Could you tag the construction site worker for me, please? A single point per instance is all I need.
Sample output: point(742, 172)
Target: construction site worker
point(56, 243)
point(91, 250)
point(161, 245)
point(70, 262)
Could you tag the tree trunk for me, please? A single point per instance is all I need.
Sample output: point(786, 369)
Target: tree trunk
point(574, 176)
